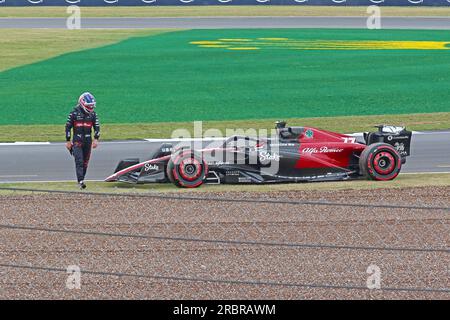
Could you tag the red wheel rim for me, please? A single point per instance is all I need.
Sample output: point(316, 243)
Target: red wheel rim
point(190, 169)
point(384, 163)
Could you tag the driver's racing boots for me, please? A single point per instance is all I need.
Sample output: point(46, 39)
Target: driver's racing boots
point(82, 185)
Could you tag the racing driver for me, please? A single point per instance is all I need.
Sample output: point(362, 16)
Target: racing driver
point(81, 120)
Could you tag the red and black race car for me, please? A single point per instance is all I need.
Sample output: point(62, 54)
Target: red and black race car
point(297, 154)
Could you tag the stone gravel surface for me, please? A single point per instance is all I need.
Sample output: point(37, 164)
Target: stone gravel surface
point(151, 248)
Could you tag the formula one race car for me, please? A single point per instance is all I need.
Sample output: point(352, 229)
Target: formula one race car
point(297, 154)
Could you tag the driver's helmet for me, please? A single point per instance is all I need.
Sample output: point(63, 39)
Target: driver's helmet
point(87, 102)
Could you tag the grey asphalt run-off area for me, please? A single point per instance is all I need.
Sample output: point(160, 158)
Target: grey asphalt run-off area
point(231, 22)
point(52, 162)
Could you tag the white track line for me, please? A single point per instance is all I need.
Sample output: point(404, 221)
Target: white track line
point(186, 139)
point(431, 132)
point(221, 139)
point(25, 144)
point(48, 181)
point(20, 176)
point(432, 172)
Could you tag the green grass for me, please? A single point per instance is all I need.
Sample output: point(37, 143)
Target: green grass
point(189, 11)
point(154, 82)
point(54, 133)
point(20, 47)
point(164, 78)
point(403, 181)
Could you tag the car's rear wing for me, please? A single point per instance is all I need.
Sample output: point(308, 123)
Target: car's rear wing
point(398, 137)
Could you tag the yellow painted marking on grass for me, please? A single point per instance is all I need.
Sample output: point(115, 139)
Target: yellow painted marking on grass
point(213, 46)
point(236, 40)
point(205, 42)
point(273, 39)
point(243, 48)
point(299, 44)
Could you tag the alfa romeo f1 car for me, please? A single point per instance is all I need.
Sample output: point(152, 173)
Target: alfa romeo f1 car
point(298, 154)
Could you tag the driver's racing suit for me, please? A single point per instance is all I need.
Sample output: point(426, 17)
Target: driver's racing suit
point(82, 123)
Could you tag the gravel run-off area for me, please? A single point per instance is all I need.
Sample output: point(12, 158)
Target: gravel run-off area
point(159, 248)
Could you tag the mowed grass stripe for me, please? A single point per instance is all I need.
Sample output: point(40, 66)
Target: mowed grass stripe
point(124, 131)
point(24, 46)
point(164, 78)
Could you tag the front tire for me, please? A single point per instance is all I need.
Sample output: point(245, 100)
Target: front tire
point(187, 169)
point(380, 161)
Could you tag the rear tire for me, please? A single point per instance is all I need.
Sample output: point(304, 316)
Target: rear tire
point(380, 161)
point(187, 169)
